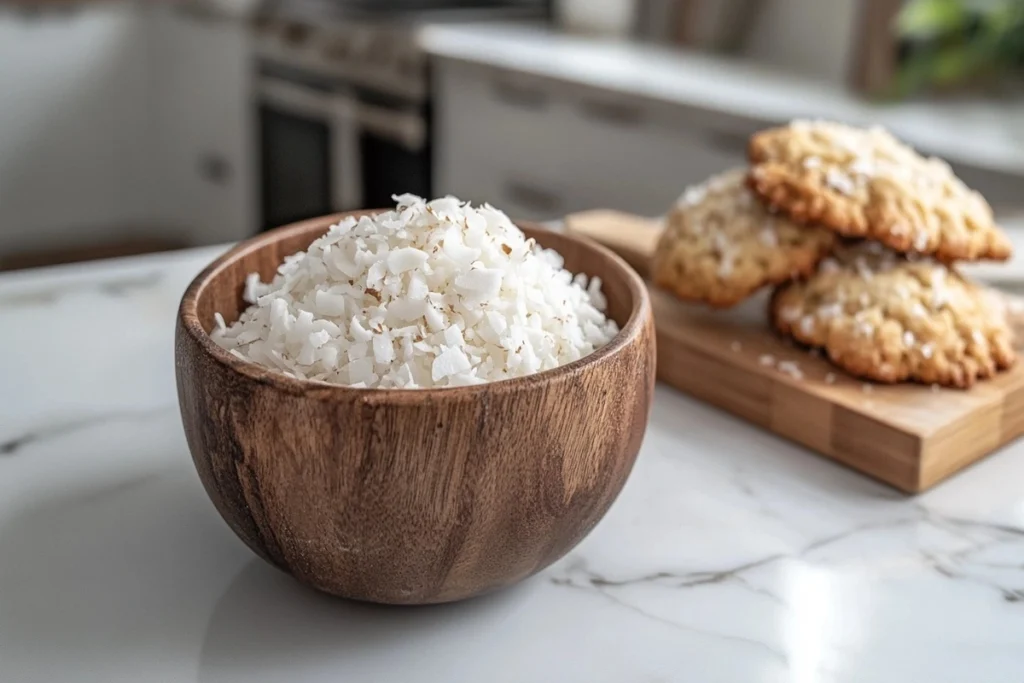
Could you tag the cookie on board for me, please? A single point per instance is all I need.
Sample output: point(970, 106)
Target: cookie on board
point(720, 244)
point(867, 184)
point(884, 318)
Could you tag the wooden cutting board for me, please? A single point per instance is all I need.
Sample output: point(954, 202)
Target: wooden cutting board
point(909, 436)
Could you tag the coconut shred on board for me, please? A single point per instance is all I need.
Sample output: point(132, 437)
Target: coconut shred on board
point(436, 294)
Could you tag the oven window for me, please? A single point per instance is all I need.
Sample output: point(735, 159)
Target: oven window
point(390, 168)
point(295, 168)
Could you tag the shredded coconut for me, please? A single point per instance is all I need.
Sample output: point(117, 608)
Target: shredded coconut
point(436, 294)
point(863, 166)
point(791, 314)
point(830, 265)
point(840, 182)
point(769, 237)
point(828, 311)
point(921, 240)
point(791, 368)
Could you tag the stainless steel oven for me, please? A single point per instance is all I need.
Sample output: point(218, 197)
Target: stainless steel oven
point(325, 149)
point(344, 101)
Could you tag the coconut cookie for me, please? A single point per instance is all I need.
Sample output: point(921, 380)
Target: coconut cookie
point(720, 244)
point(867, 184)
point(884, 318)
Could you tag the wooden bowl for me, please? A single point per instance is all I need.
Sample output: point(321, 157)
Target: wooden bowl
point(412, 496)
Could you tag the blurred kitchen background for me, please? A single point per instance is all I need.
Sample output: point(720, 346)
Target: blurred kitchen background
point(129, 127)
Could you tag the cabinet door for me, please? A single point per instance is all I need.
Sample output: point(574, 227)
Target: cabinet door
point(204, 118)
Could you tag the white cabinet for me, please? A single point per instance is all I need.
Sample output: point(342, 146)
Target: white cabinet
point(540, 149)
point(203, 119)
point(73, 127)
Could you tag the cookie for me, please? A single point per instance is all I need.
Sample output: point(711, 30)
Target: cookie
point(720, 244)
point(867, 184)
point(884, 318)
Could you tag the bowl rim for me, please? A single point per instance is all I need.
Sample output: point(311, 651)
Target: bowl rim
point(188, 320)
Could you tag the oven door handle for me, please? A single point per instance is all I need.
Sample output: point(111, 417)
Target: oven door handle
point(406, 128)
point(301, 101)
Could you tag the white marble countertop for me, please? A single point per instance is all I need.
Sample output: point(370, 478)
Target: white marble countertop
point(730, 556)
point(975, 132)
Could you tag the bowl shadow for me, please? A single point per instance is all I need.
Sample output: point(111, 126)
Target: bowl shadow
point(267, 623)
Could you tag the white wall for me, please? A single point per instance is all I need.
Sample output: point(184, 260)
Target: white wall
point(74, 129)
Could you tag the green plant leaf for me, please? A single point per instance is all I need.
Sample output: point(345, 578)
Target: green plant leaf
point(928, 18)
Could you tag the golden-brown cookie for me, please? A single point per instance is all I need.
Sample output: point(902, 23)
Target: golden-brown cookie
point(867, 184)
point(720, 244)
point(884, 318)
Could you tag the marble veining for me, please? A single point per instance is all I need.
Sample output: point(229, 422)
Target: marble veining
point(731, 555)
point(51, 431)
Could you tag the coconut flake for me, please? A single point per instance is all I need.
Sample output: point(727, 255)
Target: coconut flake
point(840, 182)
point(791, 368)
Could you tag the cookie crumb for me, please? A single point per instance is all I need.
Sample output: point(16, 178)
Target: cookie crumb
point(736, 347)
point(767, 360)
point(830, 378)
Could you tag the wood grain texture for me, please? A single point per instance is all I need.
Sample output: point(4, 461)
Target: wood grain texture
point(412, 496)
point(905, 435)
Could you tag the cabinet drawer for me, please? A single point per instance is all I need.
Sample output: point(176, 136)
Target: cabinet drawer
point(489, 114)
point(523, 195)
point(534, 147)
point(638, 159)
